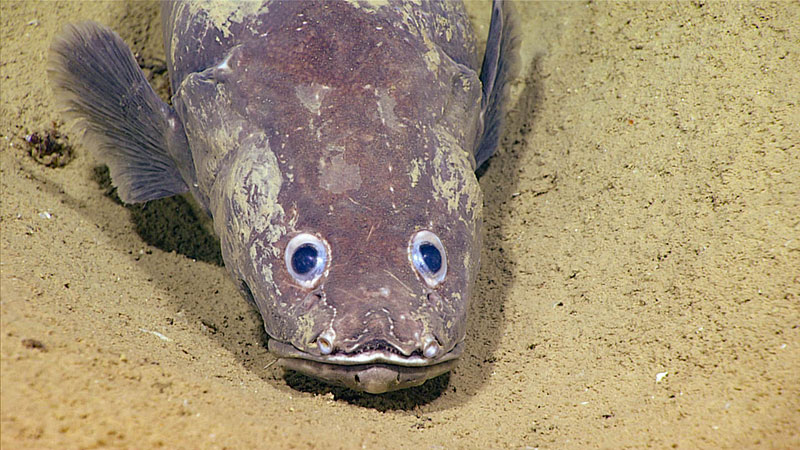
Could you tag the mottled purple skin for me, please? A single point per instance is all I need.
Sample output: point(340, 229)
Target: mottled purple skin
point(361, 124)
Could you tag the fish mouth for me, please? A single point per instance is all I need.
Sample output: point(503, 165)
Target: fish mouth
point(374, 371)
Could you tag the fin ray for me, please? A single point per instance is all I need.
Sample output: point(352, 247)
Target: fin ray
point(500, 66)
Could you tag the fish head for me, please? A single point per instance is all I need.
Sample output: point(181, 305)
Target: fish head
point(380, 277)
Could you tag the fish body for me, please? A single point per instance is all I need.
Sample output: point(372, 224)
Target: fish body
point(334, 145)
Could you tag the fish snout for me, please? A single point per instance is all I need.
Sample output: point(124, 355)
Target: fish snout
point(385, 323)
point(375, 339)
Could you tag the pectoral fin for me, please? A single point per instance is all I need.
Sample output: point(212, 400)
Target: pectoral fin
point(500, 65)
point(98, 84)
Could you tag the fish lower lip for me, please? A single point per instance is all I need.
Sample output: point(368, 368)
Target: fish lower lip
point(370, 378)
point(374, 372)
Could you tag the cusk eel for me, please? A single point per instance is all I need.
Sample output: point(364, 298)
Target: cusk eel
point(334, 145)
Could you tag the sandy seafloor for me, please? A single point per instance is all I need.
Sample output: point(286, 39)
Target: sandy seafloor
point(643, 218)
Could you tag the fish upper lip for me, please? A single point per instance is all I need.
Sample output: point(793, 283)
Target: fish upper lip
point(285, 351)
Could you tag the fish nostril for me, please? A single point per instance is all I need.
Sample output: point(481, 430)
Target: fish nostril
point(325, 346)
point(311, 299)
point(434, 299)
point(325, 342)
point(430, 348)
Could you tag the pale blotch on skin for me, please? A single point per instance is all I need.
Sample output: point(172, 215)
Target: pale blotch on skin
point(432, 58)
point(386, 104)
point(415, 171)
point(443, 22)
point(407, 21)
point(369, 5)
point(248, 216)
point(304, 330)
point(335, 174)
point(311, 96)
point(208, 123)
point(265, 268)
point(222, 14)
point(253, 185)
point(451, 157)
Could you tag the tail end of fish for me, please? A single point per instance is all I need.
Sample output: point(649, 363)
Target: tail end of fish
point(500, 66)
point(104, 94)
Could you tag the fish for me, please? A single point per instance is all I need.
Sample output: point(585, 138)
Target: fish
point(334, 146)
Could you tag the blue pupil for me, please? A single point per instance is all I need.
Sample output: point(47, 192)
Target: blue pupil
point(304, 259)
point(431, 256)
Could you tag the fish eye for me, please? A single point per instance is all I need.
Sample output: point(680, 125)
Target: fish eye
point(428, 257)
point(306, 259)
